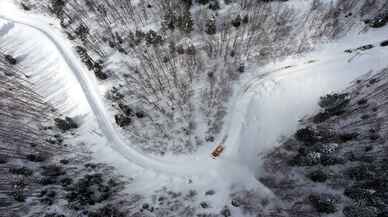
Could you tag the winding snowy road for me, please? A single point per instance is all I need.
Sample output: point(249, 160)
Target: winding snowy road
point(89, 86)
point(265, 108)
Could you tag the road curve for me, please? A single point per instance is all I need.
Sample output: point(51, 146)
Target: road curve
point(89, 86)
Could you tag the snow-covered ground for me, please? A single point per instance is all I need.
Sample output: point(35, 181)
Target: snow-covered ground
point(267, 104)
point(83, 83)
point(273, 98)
point(84, 101)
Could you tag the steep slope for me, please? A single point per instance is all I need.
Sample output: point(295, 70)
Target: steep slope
point(336, 163)
point(259, 103)
point(269, 106)
point(167, 68)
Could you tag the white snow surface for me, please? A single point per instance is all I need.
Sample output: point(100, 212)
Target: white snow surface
point(77, 74)
point(267, 104)
point(272, 99)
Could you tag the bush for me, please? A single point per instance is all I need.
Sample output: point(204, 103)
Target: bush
point(108, 210)
point(185, 23)
point(366, 47)
point(122, 120)
point(362, 101)
point(54, 215)
point(10, 59)
point(356, 193)
point(203, 2)
point(321, 117)
point(329, 160)
point(36, 157)
point(211, 27)
point(317, 176)
point(241, 68)
point(57, 7)
point(379, 21)
point(345, 137)
point(188, 3)
point(82, 32)
point(324, 203)
point(327, 148)
point(379, 184)
point(214, 5)
point(65, 124)
point(128, 111)
point(225, 212)
point(140, 114)
point(18, 196)
point(245, 19)
point(384, 43)
point(334, 104)
point(236, 22)
point(52, 171)
point(307, 159)
point(362, 172)
point(23, 171)
point(89, 190)
point(306, 135)
point(98, 71)
point(153, 38)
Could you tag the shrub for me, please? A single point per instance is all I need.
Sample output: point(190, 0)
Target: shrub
point(236, 22)
point(241, 68)
point(384, 43)
point(306, 135)
point(153, 38)
point(23, 171)
point(65, 124)
point(324, 203)
point(185, 23)
point(108, 210)
point(211, 27)
point(10, 59)
point(321, 117)
point(126, 109)
point(122, 120)
point(359, 173)
point(57, 7)
point(214, 5)
point(203, 2)
point(329, 160)
point(140, 114)
point(36, 157)
point(334, 104)
point(53, 171)
point(82, 31)
point(356, 193)
point(379, 21)
point(317, 176)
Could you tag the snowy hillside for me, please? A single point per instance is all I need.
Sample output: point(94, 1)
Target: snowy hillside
point(114, 108)
point(167, 77)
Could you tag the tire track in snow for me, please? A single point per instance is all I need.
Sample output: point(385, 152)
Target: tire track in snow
point(88, 84)
point(89, 87)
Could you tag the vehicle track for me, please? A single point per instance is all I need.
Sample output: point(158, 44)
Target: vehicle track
point(197, 169)
point(89, 86)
